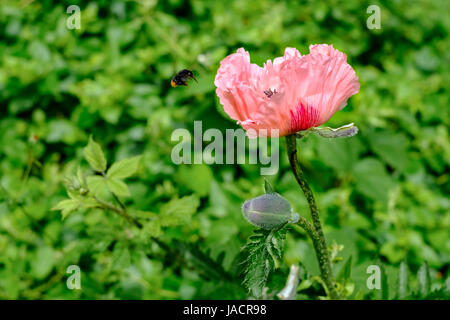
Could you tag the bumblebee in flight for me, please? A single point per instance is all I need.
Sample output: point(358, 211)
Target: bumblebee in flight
point(181, 78)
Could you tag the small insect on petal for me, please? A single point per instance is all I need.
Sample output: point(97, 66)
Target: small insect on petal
point(269, 93)
point(287, 93)
point(269, 211)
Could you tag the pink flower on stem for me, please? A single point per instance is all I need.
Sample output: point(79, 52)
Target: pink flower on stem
point(292, 93)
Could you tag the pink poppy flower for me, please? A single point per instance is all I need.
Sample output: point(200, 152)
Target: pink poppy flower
point(292, 93)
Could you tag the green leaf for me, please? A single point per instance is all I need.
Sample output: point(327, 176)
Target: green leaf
point(392, 147)
point(121, 257)
point(344, 276)
point(43, 262)
point(81, 177)
point(213, 268)
point(124, 168)
point(196, 178)
point(118, 187)
point(96, 184)
point(67, 206)
point(94, 156)
point(89, 202)
point(268, 187)
point(372, 179)
point(346, 270)
point(341, 154)
point(178, 211)
point(263, 251)
point(152, 229)
point(403, 281)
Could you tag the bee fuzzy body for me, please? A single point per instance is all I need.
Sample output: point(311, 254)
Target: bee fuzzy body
point(181, 78)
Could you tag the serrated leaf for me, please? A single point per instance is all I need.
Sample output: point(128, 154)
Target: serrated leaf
point(124, 168)
point(178, 211)
point(96, 184)
point(403, 281)
point(118, 187)
point(94, 156)
point(263, 252)
point(66, 206)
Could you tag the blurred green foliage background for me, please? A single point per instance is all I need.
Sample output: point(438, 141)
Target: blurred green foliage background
point(383, 194)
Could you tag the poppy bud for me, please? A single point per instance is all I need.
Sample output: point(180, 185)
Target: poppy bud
point(269, 211)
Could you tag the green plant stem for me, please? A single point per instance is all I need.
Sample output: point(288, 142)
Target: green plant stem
point(121, 212)
point(318, 238)
point(302, 222)
point(124, 214)
point(217, 271)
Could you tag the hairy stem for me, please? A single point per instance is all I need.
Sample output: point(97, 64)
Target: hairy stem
point(318, 238)
point(302, 222)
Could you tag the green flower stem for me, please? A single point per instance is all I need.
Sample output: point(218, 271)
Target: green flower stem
point(318, 238)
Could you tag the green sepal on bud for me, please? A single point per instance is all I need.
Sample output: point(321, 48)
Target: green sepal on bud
point(349, 130)
point(269, 211)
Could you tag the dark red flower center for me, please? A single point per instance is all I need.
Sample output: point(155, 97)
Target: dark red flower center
point(303, 117)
